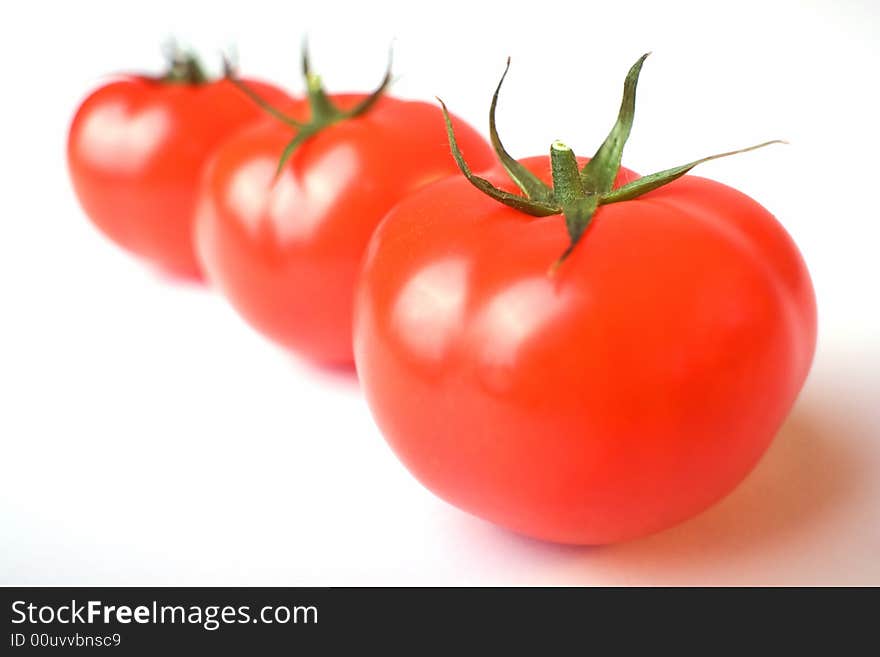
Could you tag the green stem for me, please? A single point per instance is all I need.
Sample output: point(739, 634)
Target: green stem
point(654, 181)
point(323, 111)
point(599, 173)
point(263, 104)
point(184, 68)
point(522, 203)
point(575, 194)
point(567, 185)
point(532, 186)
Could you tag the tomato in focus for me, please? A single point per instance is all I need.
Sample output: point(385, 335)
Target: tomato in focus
point(611, 396)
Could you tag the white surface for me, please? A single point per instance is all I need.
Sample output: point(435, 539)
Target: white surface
point(147, 436)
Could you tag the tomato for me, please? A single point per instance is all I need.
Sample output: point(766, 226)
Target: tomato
point(285, 248)
point(136, 150)
point(613, 395)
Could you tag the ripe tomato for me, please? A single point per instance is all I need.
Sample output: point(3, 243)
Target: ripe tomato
point(624, 392)
point(136, 150)
point(285, 246)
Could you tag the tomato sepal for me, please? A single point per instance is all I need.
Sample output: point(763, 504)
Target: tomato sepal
point(576, 194)
point(323, 111)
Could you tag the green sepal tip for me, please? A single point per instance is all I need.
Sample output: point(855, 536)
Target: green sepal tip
point(576, 194)
point(323, 112)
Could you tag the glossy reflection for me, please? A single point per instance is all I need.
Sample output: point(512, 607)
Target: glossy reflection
point(511, 320)
point(118, 137)
point(247, 192)
point(287, 251)
point(430, 308)
point(515, 316)
point(292, 204)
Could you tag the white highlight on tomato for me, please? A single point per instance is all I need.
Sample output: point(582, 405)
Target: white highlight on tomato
point(122, 139)
point(430, 307)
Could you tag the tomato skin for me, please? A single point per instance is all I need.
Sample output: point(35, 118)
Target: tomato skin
point(136, 150)
point(286, 251)
point(624, 394)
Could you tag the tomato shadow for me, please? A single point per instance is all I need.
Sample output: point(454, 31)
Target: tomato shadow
point(808, 475)
point(343, 375)
point(768, 530)
point(185, 281)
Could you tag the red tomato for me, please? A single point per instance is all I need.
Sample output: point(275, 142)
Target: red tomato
point(286, 250)
point(136, 150)
point(617, 395)
point(627, 392)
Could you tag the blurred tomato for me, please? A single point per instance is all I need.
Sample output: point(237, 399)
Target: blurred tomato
point(285, 248)
point(136, 150)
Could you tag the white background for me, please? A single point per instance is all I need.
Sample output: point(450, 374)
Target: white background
point(147, 436)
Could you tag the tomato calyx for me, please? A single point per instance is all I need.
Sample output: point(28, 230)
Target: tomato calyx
point(184, 67)
point(576, 193)
point(323, 111)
